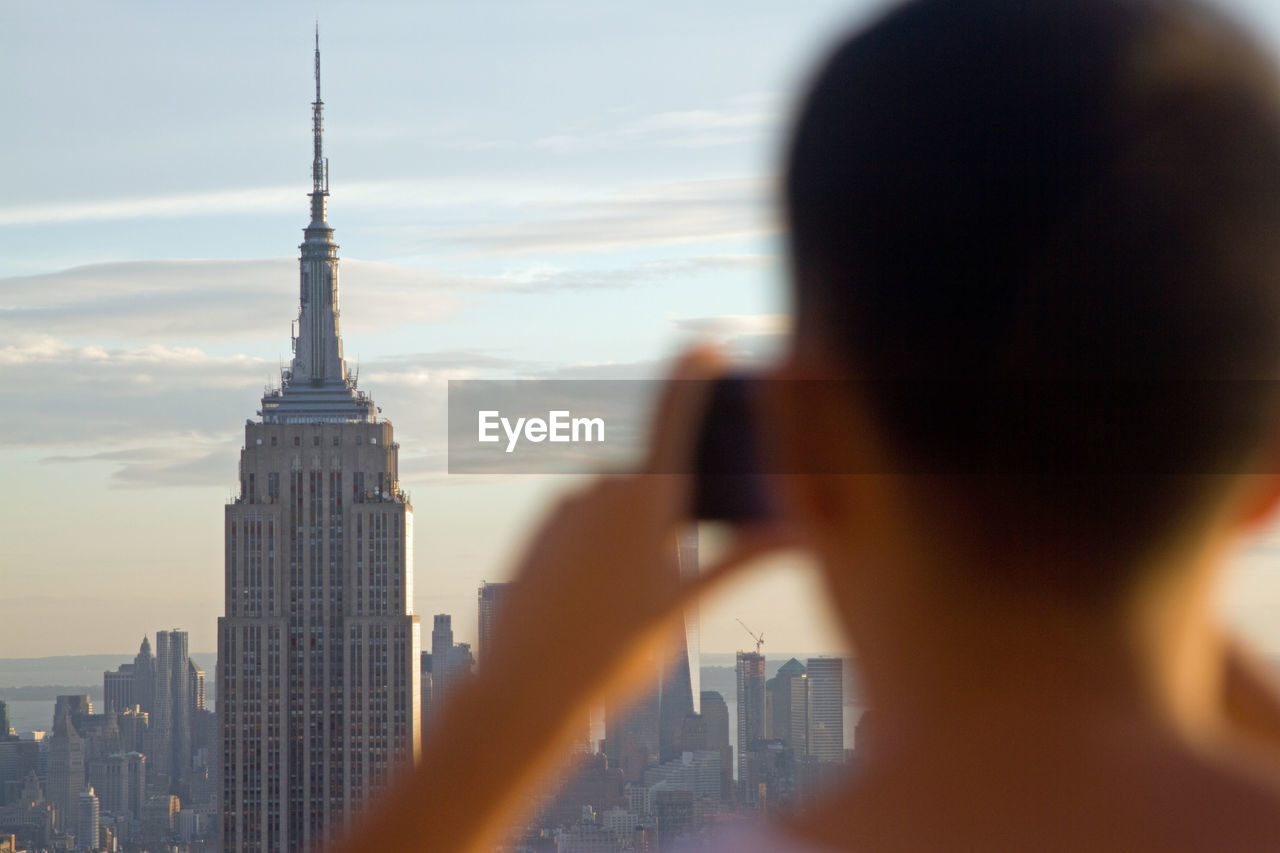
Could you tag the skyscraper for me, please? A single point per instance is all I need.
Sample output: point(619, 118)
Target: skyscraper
point(715, 713)
point(65, 775)
point(87, 820)
point(171, 721)
point(826, 708)
point(117, 689)
point(318, 651)
point(144, 677)
point(781, 702)
point(751, 721)
point(681, 690)
point(488, 600)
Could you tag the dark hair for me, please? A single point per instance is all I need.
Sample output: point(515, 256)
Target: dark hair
point(1017, 212)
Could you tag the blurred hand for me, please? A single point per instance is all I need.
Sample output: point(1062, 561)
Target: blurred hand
point(599, 584)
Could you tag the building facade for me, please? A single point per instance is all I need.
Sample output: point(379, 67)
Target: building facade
point(171, 716)
point(317, 689)
point(751, 722)
point(489, 599)
point(826, 708)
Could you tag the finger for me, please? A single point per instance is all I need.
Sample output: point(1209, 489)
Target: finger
point(680, 411)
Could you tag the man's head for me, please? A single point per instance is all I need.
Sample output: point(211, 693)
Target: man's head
point(1047, 195)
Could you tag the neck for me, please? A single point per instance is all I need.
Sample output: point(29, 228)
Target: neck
point(962, 675)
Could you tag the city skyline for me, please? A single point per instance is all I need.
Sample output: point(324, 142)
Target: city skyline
point(492, 176)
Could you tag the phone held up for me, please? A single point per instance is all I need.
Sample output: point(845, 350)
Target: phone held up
point(730, 484)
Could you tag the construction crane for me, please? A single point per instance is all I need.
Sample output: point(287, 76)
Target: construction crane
point(759, 639)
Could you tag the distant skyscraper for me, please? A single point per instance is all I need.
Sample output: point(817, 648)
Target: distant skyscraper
point(4, 720)
point(489, 599)
point(751, 719)
point(144, 678)
point(196, 676)
point(687, 552)
point(66, 768)
point(682, 687)
point(780, 702)
point(117, 689)
point(826, 708)
point(87, 820)
point(171, 721)
point(318, 651)
point(798, 687)
point(715, 715)
point(441, 651)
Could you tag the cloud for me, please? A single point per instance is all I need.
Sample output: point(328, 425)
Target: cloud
point(739, 121)
point(227, 300)
point(649, 215)
point(213, 299)
point(98, 398)
point(540, 280)
point(202, 463)
point(220, 202)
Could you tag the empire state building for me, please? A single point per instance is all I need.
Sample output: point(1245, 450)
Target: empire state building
point(318, 648)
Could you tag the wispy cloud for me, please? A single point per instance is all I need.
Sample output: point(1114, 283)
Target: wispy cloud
point(214, 203)
point(651, 215)
point(740, 121)
point(543, 279)
point(212, 299)
point(200, 464)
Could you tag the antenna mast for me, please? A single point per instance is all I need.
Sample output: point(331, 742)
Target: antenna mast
point(319, 167)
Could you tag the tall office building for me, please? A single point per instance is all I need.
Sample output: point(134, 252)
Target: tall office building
point(317, 689)
point(681, 691)
point(715, 714)
point(65, 774)
point(488, 600)
point(751, 720)
point(441, 657)
point(87, 820)
point(171, 720)
point(144, 677)
point(117, 689)
point(195, 676)
point(826, 708)
point(781, 702)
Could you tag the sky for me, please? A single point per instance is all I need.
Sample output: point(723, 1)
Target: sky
point(519, 189)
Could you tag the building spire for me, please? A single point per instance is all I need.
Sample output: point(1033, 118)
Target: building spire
point(319, 165)
point(316, 387)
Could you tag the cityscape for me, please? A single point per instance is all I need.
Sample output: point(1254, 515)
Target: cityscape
point(279, 723)
point(323, 685)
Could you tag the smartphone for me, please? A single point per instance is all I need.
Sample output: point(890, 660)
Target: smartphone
point(730, 485)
